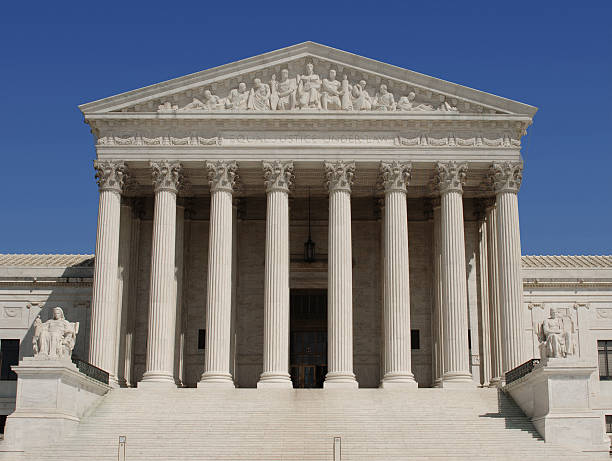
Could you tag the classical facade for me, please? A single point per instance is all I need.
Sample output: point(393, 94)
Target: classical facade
point(309, 218)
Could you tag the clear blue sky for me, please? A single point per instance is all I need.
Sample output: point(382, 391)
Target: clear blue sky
point(555, 55)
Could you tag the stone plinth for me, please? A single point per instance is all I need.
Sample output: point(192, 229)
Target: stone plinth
point(555, 395)
point(52, 396)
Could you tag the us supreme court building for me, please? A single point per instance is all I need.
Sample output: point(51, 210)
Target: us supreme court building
point(309, 254)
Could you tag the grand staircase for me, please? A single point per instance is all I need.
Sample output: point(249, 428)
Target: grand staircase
point(266, 425)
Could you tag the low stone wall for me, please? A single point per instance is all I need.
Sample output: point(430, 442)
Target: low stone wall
point(556, 397)
point(52, 397)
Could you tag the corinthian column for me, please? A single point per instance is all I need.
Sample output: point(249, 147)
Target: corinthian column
point(494, 307)
point(340, 277)
point(450, 178)
point(278, 177)
point(162, 294)
point(396, 295)
point(111, 178)
point(222, 178)
point(506, 178)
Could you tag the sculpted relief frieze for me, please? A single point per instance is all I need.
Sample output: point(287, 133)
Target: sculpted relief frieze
point(310, 86)
point(318, 138)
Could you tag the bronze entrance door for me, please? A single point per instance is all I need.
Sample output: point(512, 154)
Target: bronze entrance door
point(308, 349)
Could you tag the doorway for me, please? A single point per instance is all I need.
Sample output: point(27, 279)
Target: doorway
point(308, 341)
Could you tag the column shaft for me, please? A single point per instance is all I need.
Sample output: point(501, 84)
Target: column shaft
point(506, 178)
point(276, 284)
point(494, 306)
point(340, 278)
point(123, 289)
point(454, 278)
point(510, 286)
point(219, 285)
point(162, 292)
point(179, 264)
point(104, 306)
point(485, 343)
point(396, 304)
point(162, 301)
point(437, 330)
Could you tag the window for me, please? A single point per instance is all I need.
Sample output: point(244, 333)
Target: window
point(609, 424)
point(201, 339)
point(9, 356)
point(415, 342)
point(604, 353)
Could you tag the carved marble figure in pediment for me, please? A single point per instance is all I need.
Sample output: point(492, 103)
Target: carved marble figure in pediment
point(286, 89)
point(259, 98)
point(361, 98)
point(309, 88)
point(384, 99)
point(331, 92)
point(238, 98)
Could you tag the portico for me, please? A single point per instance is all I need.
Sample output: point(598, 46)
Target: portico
point(394, 195)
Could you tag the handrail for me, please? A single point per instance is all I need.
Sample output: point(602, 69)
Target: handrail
point(90, 370)
point(522, 370)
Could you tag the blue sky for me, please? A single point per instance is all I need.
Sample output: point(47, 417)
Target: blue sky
point(553, 55)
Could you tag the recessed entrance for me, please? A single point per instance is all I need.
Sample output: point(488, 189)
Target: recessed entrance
point(308, 338)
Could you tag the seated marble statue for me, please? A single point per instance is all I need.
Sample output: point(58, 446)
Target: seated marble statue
point(331, 92)
point(557, 336)
point(286, 89)
point(55, 338)
point(383, 100)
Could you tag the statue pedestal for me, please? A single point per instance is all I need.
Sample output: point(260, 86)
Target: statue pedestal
point(555, 395)
point(52, 396)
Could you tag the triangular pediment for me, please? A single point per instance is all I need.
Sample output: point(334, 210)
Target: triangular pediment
point(301, 78)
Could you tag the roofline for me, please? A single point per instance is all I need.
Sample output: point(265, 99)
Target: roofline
point(292, 51)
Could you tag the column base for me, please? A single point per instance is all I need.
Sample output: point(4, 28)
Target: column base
point(212, 379)
point(495, 382)
point(339, 380)
point(156, 379)
point(398, 381)
point(457, 380)
point(437, 383)
point(275, 381)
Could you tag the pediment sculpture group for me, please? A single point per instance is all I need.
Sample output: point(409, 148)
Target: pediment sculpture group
point(308, 92)
point(55, 338)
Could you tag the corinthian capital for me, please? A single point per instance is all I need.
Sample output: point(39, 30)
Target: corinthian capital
point(278, 175)
point(506, 176)
point(166, 175)
point(110, 175)
point(395, 175)
point(222, 175)
point(450, 176)
point(339, 175)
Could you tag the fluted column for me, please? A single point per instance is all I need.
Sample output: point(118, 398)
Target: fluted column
point(437, 330)
point(483, 286)
point(451, 177)
point(339, 177)
point(178, 280)
point(396, 295)
point(111, 178)
point(162, 294)
point(123, 289)
point(222, 178)
point(494, 306)
point(506, 178)
point(278, 177)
